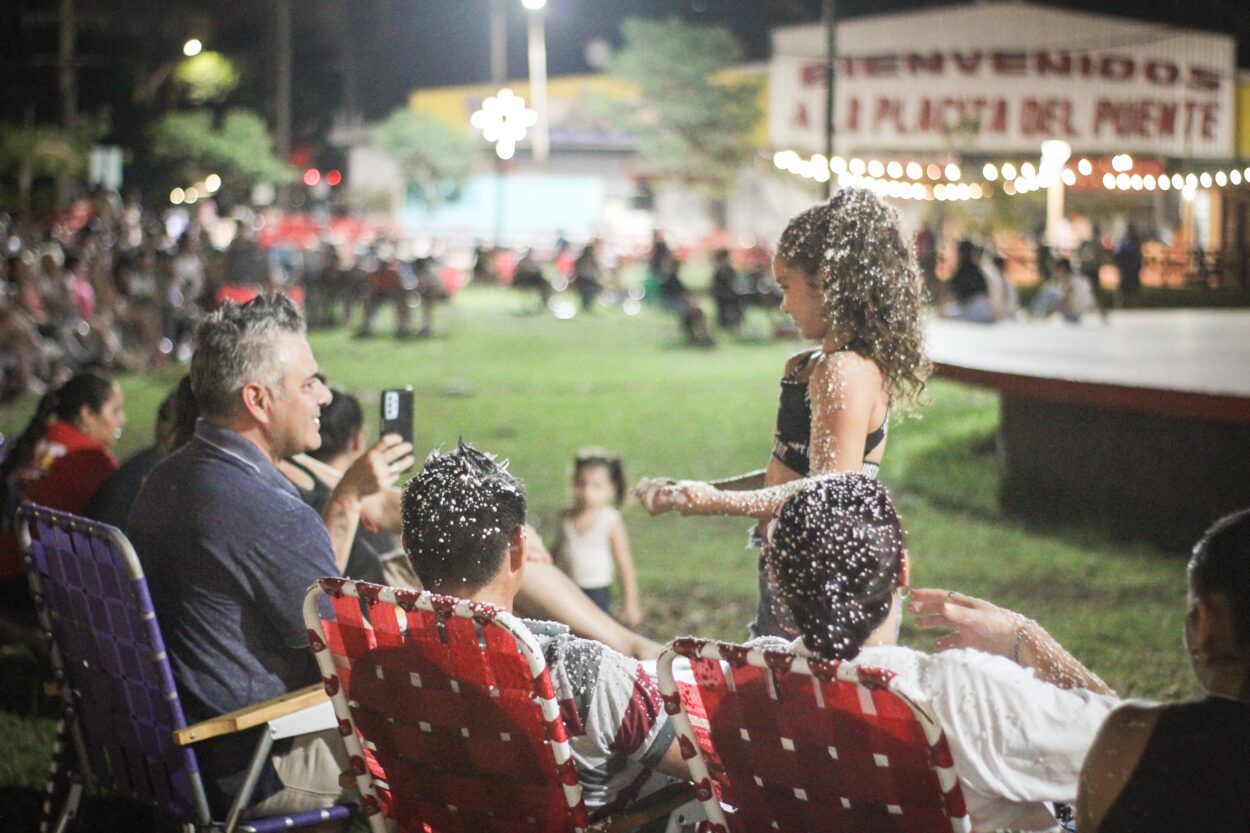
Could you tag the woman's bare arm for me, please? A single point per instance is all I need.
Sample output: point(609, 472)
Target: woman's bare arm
point(976, 623)
point(381, 508)
point(373, 474)
point(742, 482)
point(1111, 760)
point(843, 389)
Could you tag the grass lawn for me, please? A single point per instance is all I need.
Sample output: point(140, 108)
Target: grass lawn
point(534, 389)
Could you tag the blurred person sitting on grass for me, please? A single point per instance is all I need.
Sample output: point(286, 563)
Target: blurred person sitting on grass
point(1067, 292)
point(112, 501)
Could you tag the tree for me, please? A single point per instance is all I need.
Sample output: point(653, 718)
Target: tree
point(240, 149)
point(433, 156)
point(207, 77)
point(694, 122)
point(48, 150)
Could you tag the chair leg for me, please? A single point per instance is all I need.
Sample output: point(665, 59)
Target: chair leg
point(64, 788)
point(70, 811)
point(259, 757)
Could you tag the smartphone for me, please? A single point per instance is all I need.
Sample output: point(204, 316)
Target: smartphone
point(397, 413)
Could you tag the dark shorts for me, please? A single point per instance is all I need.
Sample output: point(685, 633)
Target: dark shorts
point(601, 596)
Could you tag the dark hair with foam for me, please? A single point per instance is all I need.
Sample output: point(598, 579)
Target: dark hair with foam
point(589, 457)
point(1220, 565)
point(835, 552)
point(458, 516)
point(340, 420)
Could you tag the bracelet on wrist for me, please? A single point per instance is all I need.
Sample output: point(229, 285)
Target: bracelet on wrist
point(1019, 640)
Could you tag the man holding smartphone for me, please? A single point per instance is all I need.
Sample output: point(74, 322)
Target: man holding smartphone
point(229, 547)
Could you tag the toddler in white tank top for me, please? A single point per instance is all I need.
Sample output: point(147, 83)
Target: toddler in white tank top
point(593, 546)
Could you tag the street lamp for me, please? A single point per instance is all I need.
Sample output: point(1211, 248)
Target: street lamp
point(537, 48)
point(503, 120)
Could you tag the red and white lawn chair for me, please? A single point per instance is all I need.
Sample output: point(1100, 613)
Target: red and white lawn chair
point(781, 742)
point(447, 710)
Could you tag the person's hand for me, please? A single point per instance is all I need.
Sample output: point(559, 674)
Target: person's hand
point(536, 551)
point(648, 491)
point(631, 615)
point(972, 622)
point(378, 468)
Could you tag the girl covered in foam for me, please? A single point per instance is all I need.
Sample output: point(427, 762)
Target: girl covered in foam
point(850, 285)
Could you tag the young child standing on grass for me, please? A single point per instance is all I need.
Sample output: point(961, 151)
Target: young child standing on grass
point(593, 545)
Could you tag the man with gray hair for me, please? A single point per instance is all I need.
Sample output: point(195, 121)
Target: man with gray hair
point(229, 547)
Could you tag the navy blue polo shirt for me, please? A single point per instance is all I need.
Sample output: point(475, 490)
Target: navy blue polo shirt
point(229, 549)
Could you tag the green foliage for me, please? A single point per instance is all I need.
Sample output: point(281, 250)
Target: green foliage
point(207, 77)
point(240, 148)
point(433, 157)
point(691, 125)
point(41, 150)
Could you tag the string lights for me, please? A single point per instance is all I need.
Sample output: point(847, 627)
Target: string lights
point(919, 179)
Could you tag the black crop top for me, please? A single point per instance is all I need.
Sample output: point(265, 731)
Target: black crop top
point(1194, 773)
point(792, 440)
point(365, 560)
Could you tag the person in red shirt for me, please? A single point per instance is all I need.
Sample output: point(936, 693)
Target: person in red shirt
point(62, 456)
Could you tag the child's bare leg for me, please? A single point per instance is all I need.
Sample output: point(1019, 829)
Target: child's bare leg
point(547, 593)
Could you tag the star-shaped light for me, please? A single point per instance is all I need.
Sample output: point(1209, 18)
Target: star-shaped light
point(503, 119)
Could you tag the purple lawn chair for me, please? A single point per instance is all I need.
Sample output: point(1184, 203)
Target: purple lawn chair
point(125, 730)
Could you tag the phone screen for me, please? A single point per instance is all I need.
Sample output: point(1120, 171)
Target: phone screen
point(397, 413)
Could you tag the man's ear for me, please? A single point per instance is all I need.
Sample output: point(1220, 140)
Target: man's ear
point(1211, 625)
point(357, 444)
point(256, 400)
point(516, 550)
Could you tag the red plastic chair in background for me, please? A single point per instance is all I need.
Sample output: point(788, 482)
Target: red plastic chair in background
point(781, 742)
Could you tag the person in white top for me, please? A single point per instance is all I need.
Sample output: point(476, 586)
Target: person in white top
point(593, 544)
point(1019, 725)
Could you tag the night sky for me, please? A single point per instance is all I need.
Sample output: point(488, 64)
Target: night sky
point(399, 45)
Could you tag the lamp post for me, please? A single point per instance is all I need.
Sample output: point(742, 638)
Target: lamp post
point(1055, 154)
point(830, 19)
point(540, 141)
point(504, 120)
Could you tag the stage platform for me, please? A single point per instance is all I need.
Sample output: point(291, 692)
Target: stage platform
point(1140, 426)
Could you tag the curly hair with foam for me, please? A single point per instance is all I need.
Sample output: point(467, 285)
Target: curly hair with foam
point(852, 250)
